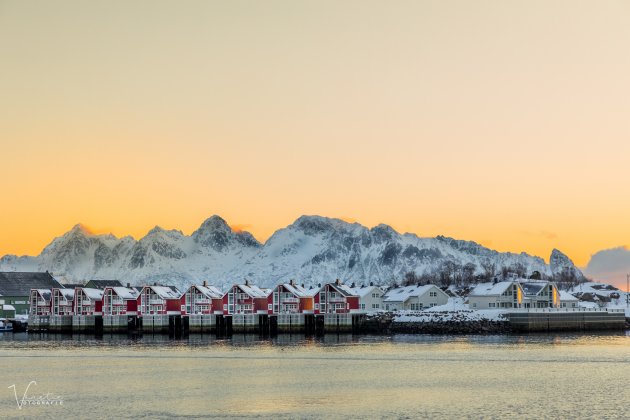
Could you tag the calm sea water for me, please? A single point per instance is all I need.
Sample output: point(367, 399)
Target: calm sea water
point(548, 376)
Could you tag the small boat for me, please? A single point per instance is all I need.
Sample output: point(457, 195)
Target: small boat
point(5, 326)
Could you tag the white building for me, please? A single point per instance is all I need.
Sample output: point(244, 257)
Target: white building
point(414, 298)
point(540, 294)
point(493, 295)
point(370, 298)
point(567, 300)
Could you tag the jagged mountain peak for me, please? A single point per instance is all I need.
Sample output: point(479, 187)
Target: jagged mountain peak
point(559, 262)
point(313, 225)
point(214, 222)
point(384, 232)
point(80, 228)
point(215, 233)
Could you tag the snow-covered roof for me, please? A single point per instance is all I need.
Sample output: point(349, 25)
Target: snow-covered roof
point(44, 293)
point(93, 294)
point(125, 293)
point(343, 289)
point(401, 294)
point(165, 292)
point(252, 291)
point(299, 291)
point(67, 293)
point(491, 289)
point(209, 291)
point(566, 296)
point(363, 291)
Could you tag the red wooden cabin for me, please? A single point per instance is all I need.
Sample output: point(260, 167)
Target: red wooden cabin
point(160, 300)
point(336, 298)
point(88, 301)
point(120, 301)
point(245, 299)
point(40, 302)
point(291, 298)
point(62, 301)
point(203, 300)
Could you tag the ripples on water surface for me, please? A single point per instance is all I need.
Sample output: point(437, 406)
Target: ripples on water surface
point(404, 376)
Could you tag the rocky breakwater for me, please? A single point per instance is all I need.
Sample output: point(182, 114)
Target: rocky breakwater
point(442, 322)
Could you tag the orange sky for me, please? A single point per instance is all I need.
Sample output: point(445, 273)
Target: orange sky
point(503, 122)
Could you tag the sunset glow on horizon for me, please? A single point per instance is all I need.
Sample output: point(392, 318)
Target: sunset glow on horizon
point(501, 122)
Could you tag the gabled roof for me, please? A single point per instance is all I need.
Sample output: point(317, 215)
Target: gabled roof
point(92, 294)
point(68, 294)
point(44, 293)
point(363, 291)
point(532, 288)
point(20, 283)
point(210, 292)
point(125, 293)
point(102, 284)
point(166, 292)
point(491, 289)
point(402, 294)
point(298, 290)
point(343, 289)
point(252, 291)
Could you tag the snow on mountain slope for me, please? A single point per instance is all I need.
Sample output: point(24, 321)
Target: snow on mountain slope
point(312, 250)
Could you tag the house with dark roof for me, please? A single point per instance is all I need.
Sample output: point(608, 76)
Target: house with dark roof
point(540, 294)
point(15, 288)
point(102, 284)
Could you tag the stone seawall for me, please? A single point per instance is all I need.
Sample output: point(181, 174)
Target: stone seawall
point(384, 323)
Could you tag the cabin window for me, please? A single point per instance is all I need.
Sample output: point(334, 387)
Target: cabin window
point(433, 294)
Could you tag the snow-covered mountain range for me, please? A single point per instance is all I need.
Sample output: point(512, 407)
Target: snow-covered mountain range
point(312, 250)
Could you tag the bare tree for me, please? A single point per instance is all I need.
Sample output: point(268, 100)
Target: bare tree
point(489, 269)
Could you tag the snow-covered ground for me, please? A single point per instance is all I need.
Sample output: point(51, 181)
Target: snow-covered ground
point(454, 310)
